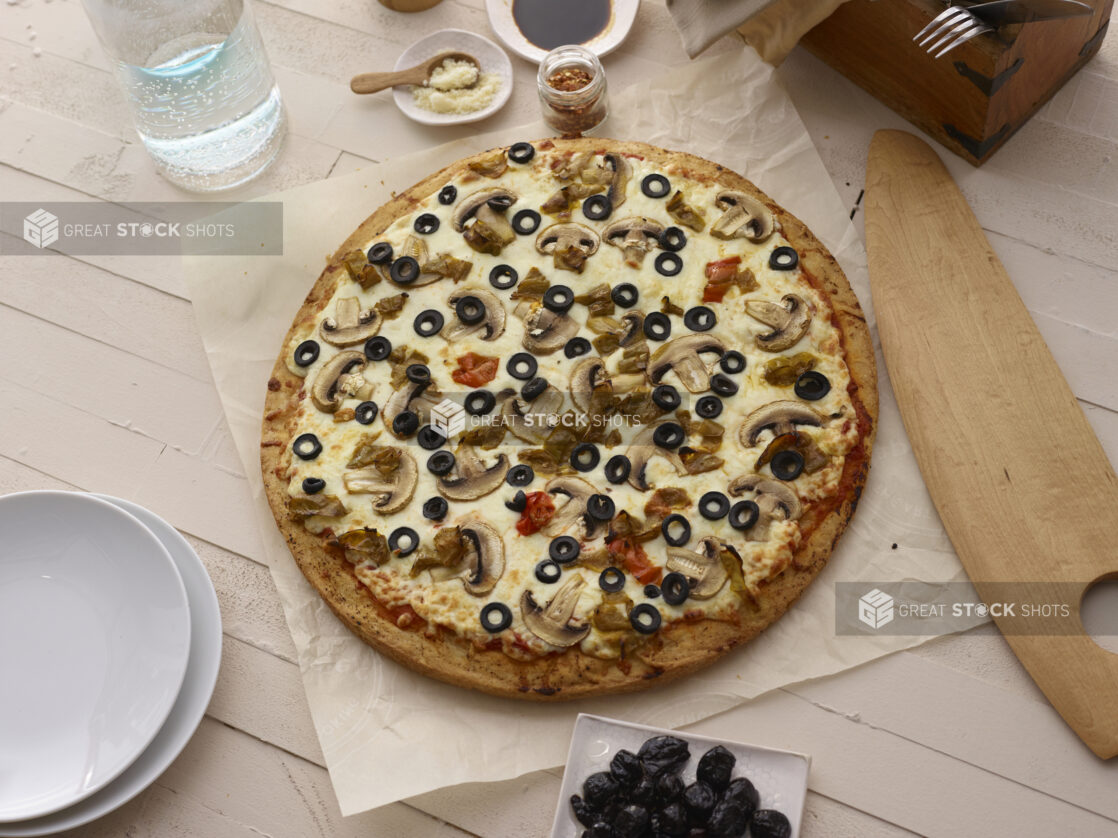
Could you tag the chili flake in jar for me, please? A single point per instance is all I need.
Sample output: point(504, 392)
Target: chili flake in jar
point(572, 88)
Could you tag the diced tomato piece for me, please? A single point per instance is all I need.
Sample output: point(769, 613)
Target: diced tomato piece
point(537, 512)
point(630, 555)
point(475, 370)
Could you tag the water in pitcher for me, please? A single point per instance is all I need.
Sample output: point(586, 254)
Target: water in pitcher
point(207, 107)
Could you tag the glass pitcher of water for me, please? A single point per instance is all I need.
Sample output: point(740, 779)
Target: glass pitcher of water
point(199, 85)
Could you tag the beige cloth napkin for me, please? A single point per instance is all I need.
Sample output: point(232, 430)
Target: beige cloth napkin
point(772, 27)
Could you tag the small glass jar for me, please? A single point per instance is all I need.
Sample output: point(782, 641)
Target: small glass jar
point(572, 87)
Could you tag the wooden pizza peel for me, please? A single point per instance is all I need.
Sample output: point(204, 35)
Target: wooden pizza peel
point(1023, 487)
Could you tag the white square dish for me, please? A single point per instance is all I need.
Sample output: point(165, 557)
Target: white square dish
point(780, 776)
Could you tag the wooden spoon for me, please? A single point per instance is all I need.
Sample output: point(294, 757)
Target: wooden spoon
point(373, 82)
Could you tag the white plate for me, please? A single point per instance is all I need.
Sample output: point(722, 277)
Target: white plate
point(490, 58)
point(187, 712)
point(780, 776)
point(624, 12)
point(94, 640)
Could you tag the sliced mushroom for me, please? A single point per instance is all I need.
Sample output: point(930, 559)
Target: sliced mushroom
point(570, 516)
point(339, 378)
point(780, 416)
point(471, 478)
point(789, 321)
point(703, 569)
point(416, 396)
point(635, 236)
point(683, 356)
point(546, 331)
point(552, 622)
point(515, 413)
point(641, 450)
point(485, 557)
point(775, 501)
point(467, 208)
point(350, 324)
point(619, 183)
point(587, 375)
point(392, 490)
point(492, 325)
point(743, 217)
point(569, 244)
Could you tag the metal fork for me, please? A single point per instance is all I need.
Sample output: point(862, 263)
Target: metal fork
point(957, 25)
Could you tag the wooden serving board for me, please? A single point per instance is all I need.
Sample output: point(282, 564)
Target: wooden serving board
point(1021, 483)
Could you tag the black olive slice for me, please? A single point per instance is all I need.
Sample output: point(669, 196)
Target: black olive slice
point(521, 152)
point(479, 402)
point(656, 186)
point(313, 485)
point(784, 258)
point(526, 222)
point(503, 276)
point(625, 295)
point(699, 319)
point(521, 366)
point(673, 239)
point(406, 423)
point(470, 309)
point(600, 507)
point(378, 348)
point(500, 203)
point(564, 549)
point(585, 457)
point(676, 530)
point(812, 386)
point(306, 353)
point(520, 475)
point(365, 413)
point(657, 326)
point(558, 298)
point(404, 270)
point(744, 514)
point(652, 591)
point(429, 438)
point(495, 617)
point(447, 195)
point(548, 572)
point(675, 588)
point(722, 385)
point(668, 264)
point(669, 435)
point(435, 509)
point(597, 207)
point(787, 464)
point(418, 373)
point(709, 407)
point(518, 503)
point(645, 618)
point(428, 323)
point(440, 463)
point(534, 388)
point(426, 224)
point(611, 580)
point(714, 505)
point(617, 469)
point(666, 397)
point(306, 446)
point(403, 541)
point(576, 347)
point(380, 253)
point(732, 362)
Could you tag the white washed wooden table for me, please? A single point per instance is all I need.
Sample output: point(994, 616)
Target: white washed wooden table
point(104, 386)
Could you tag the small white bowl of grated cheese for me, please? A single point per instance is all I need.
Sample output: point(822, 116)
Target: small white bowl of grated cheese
point(455, 93)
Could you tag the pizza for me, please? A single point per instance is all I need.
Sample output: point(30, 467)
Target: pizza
point(570, 417)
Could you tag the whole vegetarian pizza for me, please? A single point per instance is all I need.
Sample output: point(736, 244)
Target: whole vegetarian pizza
point(570, 418)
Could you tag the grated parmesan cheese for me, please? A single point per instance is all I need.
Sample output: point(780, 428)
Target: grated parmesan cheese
point(448, 91)
point(452, 74)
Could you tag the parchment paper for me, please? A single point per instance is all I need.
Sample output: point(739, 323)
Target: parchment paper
point(387, 733)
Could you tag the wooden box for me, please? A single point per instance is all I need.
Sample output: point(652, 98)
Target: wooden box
point(973, 98)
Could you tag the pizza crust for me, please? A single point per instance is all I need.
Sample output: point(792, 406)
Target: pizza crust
point(676, 650)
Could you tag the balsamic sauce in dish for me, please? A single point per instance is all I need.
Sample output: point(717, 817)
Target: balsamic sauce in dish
point(553, 23)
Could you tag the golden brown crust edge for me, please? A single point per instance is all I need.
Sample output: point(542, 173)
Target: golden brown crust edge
point(678, 650)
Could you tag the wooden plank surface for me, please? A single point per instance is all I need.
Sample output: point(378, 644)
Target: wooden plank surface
point(931, 742)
